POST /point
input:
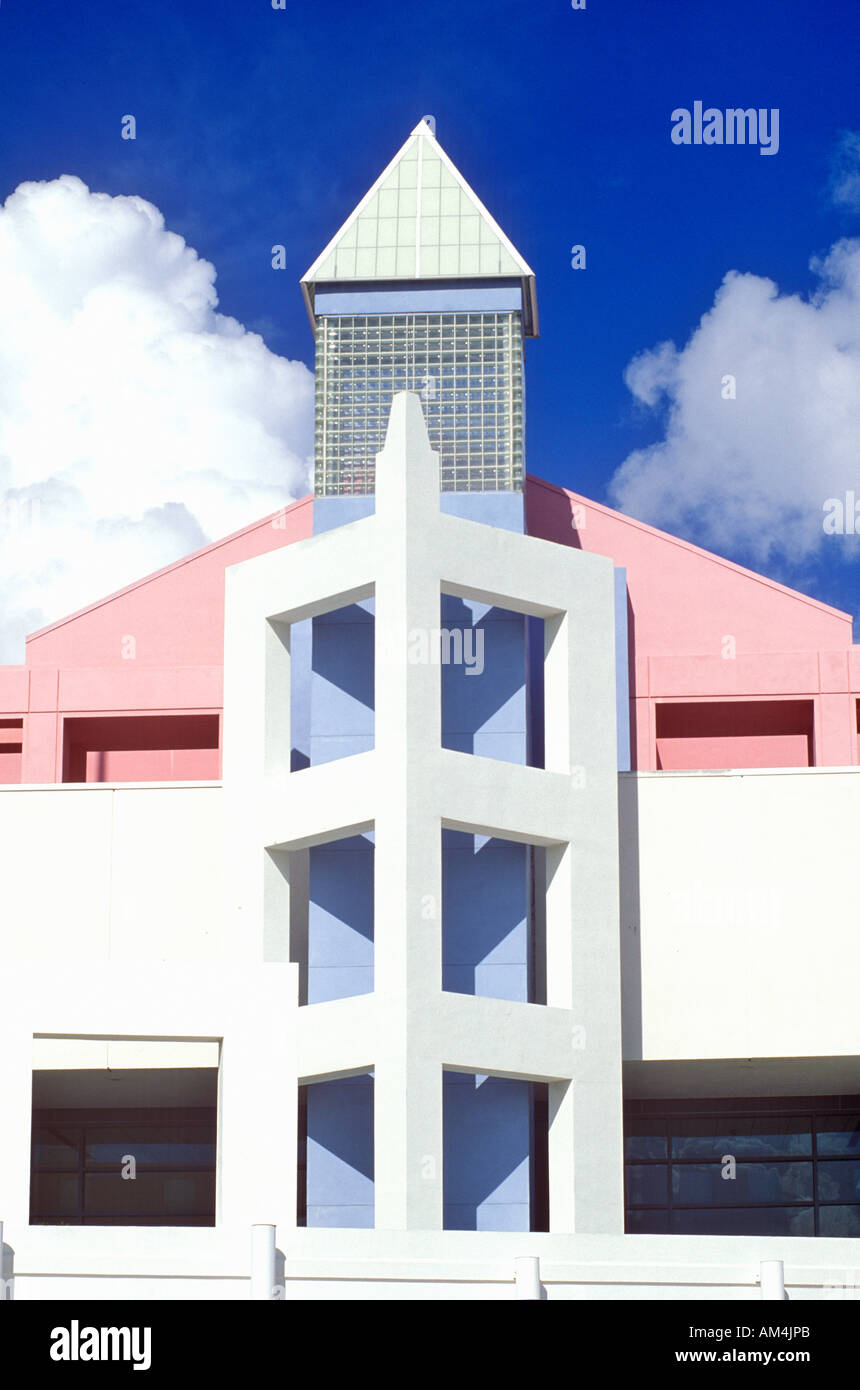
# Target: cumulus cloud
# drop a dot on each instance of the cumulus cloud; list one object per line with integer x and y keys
{"x": 749, "y": 476}
{"x": 136, "y": 422}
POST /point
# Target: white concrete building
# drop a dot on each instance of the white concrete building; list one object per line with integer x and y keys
{"x": 439, "y": 991}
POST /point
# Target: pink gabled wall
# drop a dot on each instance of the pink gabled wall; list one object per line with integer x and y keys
{"x": 155, "y": 648}
{"x": 704, "y": 629}
{"x": 175, "y": 615}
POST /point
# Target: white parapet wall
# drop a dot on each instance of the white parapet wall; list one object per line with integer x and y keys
{"x": 739, "y": 915}
{"x": 146, "y": 1263}
{"x": 110, "y": 872}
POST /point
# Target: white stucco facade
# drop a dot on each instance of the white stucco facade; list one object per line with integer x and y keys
{"x": 160, "y": 938}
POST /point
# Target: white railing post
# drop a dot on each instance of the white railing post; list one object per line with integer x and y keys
{"x": 772, "y": 1278}
{"x": 5, "y": 1284}
{"x": 527, "y": 1276}
{"x": 263, "y": 1262}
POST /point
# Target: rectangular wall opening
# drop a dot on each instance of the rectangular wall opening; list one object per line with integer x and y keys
{"x": 319, "y": 914}
{"x": 335, "y": 1153}
{"x": 491, "y": 662}
{"x": 11, "y": 744}
{"x": 332, "y": 676}
{"x": 482, "y": 655}
{"x": 125, "y": 1146}
{"x": 496, "y": 1175}
{"x": 142, "y": 748}
{"x": 786, "y": 1166}
{"x": 735, "y": 734}
{"x": 493, "y": 917}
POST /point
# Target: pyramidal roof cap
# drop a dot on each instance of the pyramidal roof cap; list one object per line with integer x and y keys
{"x": 421, "y": 221}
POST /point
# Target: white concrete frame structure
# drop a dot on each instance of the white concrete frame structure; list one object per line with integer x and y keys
{"x": 408, "y": 789}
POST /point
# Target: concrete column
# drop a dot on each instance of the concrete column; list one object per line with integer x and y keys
{"x": 562, "y": 1157}
{"x": 42, "y": 758}
{"x": 559, "y": 893}
{"x": 583, "y": 945}
{"x": 278, "y": 698}
{"x": 835, "y": 737}
{"x": 408, "y": 875}
{"x": 299, "y": 885}
{"x": 277, "y": 905}
{"x": 408, "y": 1159}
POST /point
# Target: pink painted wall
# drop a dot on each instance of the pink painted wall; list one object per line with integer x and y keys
{"x": 155, "y": 648}
{"x": 703, "y": 631}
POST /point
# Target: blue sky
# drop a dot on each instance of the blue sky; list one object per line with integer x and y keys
{"x": 258, "y": 127}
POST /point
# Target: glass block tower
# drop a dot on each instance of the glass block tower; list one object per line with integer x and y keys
{"x": 420, "y": 290}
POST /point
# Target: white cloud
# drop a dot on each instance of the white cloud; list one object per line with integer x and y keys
{"x": 136, "y": 422}
{"x": 750, "y": 476}
{"x": 845, "y": 184}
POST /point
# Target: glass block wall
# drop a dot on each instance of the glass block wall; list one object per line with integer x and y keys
{"x": 468, "y": 370}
